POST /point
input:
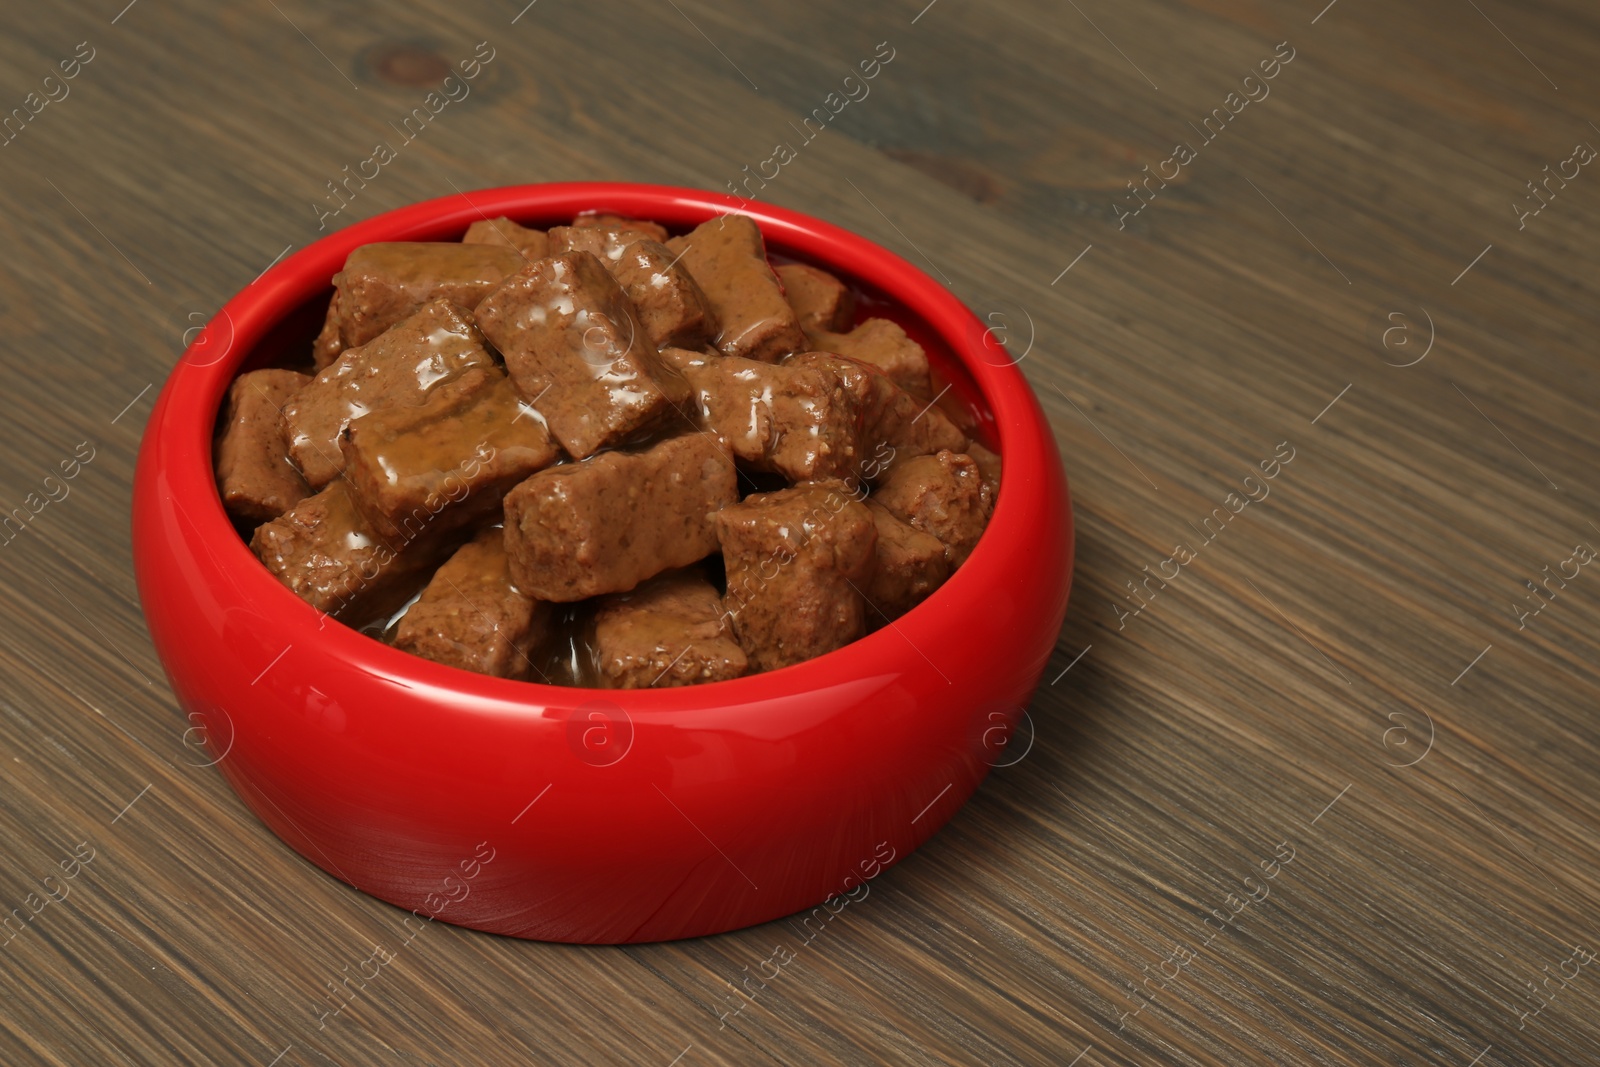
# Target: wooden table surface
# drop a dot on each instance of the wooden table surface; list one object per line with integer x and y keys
{"x": 1324, "y": 793}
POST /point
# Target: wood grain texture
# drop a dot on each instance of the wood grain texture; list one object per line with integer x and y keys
{"x": 1338, "y": 675}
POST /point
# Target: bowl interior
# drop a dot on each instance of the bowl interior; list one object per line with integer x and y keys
{"x": 287, "y": 341}
{"x": 278, "y": 321}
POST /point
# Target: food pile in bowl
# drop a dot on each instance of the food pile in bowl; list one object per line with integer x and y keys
{"x": 603, "y": 456}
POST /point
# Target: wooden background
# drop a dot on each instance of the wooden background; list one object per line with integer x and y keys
{"x": 1339, "y": 677}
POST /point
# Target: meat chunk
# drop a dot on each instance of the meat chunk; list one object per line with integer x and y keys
{"x": 727, "y": 257}
{"x": 942, "y": 494}
{"x": 254, "y": 474}
{"x": 669, "y": 302}
{"x": 669, "y": 631}
{"x": 577, "y": 351}
{"x": 671, "y": 305}
{"x": 653, "y": 230}
{"x": 471, "y": 616}
{"x": 799, "y": 422}
{"x": 382, "y": 284}
{"x": 911, "y": 564}
{"x": 884, "y": 345}
{"x": 604, "y": 243}
{"x": 608, "y": 523}
{"x": 334, "y": 559}
{"x": 533, "y": 244}
{"x": 797, "y": 560}
{"x": 896, "y": 425}
{"x": 397, "y": 369}
{"x": 988, "y": 466}
{"x": 821, "y": 301}
{"x": 450, "y": 459}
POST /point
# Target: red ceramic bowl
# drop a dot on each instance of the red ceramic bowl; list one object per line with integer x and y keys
{"x": 589, "y": 815}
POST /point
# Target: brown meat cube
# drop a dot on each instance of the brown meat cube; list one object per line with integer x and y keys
{"x": 727, "y": 257}
{"x": 798, "y": 561}
{"x": 669, "y": 631}
{"x": 911, "y": 564}
{"x": 471, "y": 616}
{"x": 799, "y": 422}
{"x": 327, "y": 552}
{"x": 988, "y": 465}
{"x": 671, "y": 305}
{"x": 576, "y": 349}
{"x": 254, "y": 474}
{"x": 821, "y": 301}
{"x": 533, "y": 244}
{"x": 884, "y": 345}
{"x": 450, "y": 459}
{"x": 652, "y": 230}
{"x": 896, "y": 425}
{"x": 669, "y": 302}
{"x": 383, "y": 283}
{"x": 944, "y": 495}
{"x": 606, "y": 524}
{"x": 604, "y": 243}
{"x": 397, "y": 369}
